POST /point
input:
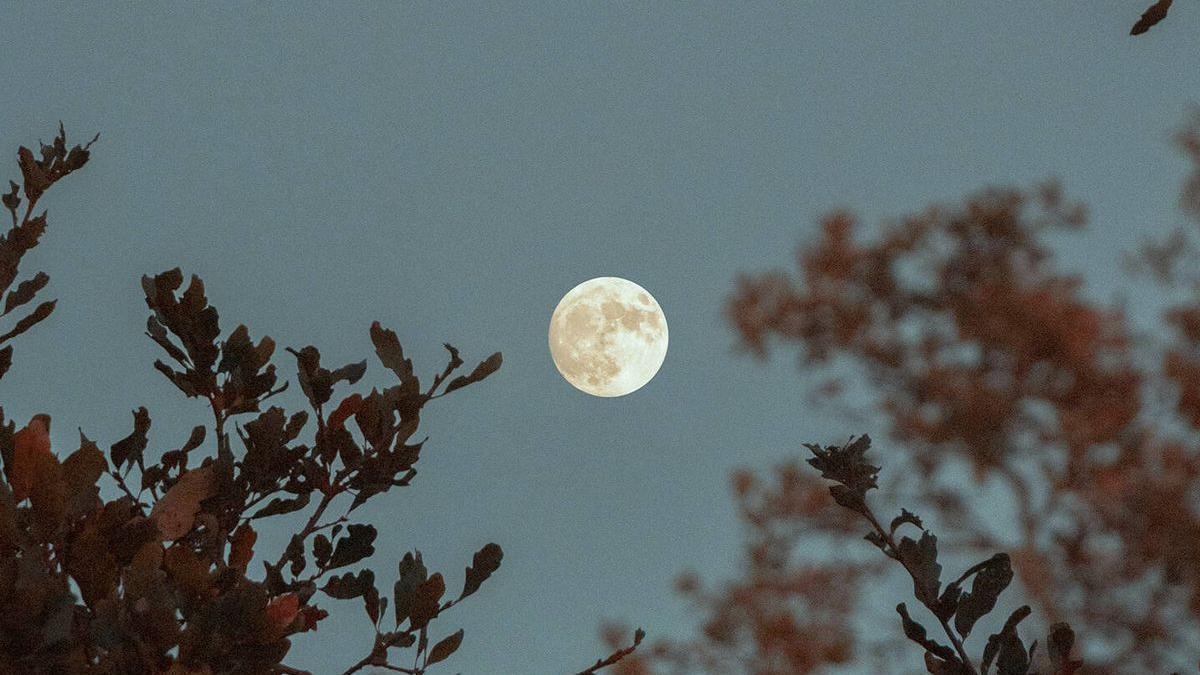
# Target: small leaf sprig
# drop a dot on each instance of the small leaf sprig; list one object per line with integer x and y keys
{"x": 955, "y": 609}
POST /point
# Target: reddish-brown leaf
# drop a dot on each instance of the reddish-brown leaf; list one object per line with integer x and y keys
{"x": 282, "y": 610}
{"x": 443, "y": 649}
{"x": 241, "y": 550}
{"x": 30, "y": 444}
{"x": 176, "y": 512}
{"x": 345, "y": 409}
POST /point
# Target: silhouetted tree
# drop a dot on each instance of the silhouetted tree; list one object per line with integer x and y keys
{"x": 152, "y": 573}
{"x": 989, "y": 369}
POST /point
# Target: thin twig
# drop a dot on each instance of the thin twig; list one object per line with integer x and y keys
{"x": 616, "y": 656}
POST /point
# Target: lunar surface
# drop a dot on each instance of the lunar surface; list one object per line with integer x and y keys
{"x": 608, "y": 336}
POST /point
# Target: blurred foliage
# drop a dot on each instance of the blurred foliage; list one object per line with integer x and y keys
{"x": 957, "y": 333}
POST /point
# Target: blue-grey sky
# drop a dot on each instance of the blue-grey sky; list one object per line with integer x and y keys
{"x": 452, "y": 169}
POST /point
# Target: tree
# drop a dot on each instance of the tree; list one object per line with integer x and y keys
{"x": 987, "y": 368}
{"x": 149, "y": 570}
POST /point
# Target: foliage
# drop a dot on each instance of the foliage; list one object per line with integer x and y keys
{"x": 1153, "y": 14}
{"x": 847, "y": 466}
{"x": 955, "y": 332}
{"x": 149, "y": 570}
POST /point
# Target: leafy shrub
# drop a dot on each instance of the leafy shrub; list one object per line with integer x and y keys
{"x": 110, "y": 563}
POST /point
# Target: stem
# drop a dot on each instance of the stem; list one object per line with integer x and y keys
{"x": 895, "y": 554}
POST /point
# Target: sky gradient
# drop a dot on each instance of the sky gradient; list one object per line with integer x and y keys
{"x": 451, "y": 170}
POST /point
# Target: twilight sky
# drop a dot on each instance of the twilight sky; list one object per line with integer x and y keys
{"x": 452, "y": 170}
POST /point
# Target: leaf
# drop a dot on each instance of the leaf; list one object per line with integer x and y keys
{"x": 391, "y": 355}
{"x": 176, "y": 512}
{"x": 294, "y": 554}
{"x": 281, "y": 505}
{"x": 30, "y": 320}
{"x": 192, "y": 321}
{"x": 349, "y": 585}
{"x": 178, "y": 458}
{"x": 81, "y": 470}
{"x": 916, "y": 632}
{"x": 350, "y": 373}
{"x": 486, "y": 561}
{"x": 10, "y": 198}
{"x": 412, "y": 575}
{"x": 1060, "y": 643}
{"x": 92, "y": 564}
{"x": 847, "y": 466}
{"x": 455, "y": 360}
{"x": 990, "y": 581}
{"x": 345, "y": 409}
{"x": 241, "y": 549}
{"x": 947, "y": 603}
{"x": 1154, "y": 14}
{"x": 1013, "y": 660}
{"x": 35, "y": 178}
{"x": 937, "y": 666}
{"x": 484, "y": 369}
{"x": 920, "y": 558}
{"x": 906, "y": 516}
{"x": 30, "y": 445}
{"x": 443, "y": 649}
{"x": 317, "y": 382}
{"x": 25, "y": 291}
{"x": 426, "y": 601}
{"x": 85, "y": 466}
{"x": 322, "y": 549}
{"x": 282, "y": 610}
{"x": 371, "y": 604}
{"x": 356, "y": 545}
{"x": 130, "y": 448}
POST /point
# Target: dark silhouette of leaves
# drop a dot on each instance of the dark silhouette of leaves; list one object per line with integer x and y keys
{"x": 616, "y": 656}
{"x": 241, "y": 548}
{"x": 1006, "y": 648}
{"x": 131, "y": 448}
{"x": 317, "y": 382}
{"x": 920, "y": 558}
{"x": 391, "y": 355}
{"x": 1155, "y": 13}
{"x": 412, "y": 575}
{"x": 11, "y": 201}
{"x": 846, "y": 466}
{"x": 444, "y": 648}
{"x": 281, "y": 505}
{"x": 30, "y": 320}
{"x": 485, "y": 563}
{"x": 981, "y": 353}
{"x": 176, "y": 512}
{"x": 349, "y": 585}
{"x": 25, "y": 291}
{"x": 992, "y": 577}
{"x": 426, "y": 601}
{"x": 356, "y": 545}
{"x": 906, "y": 516}
{"x": 487, "y": 367}
{"x": 1059, "y": 645}
{"x": 161, "y": 558}
{"x": 916, "y": 632}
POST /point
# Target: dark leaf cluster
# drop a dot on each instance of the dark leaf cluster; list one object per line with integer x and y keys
{"x": 955, "y": 608}
{"x": 114, "y": 562}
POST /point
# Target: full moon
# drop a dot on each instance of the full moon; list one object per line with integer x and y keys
{"x": 608, "y": 336}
